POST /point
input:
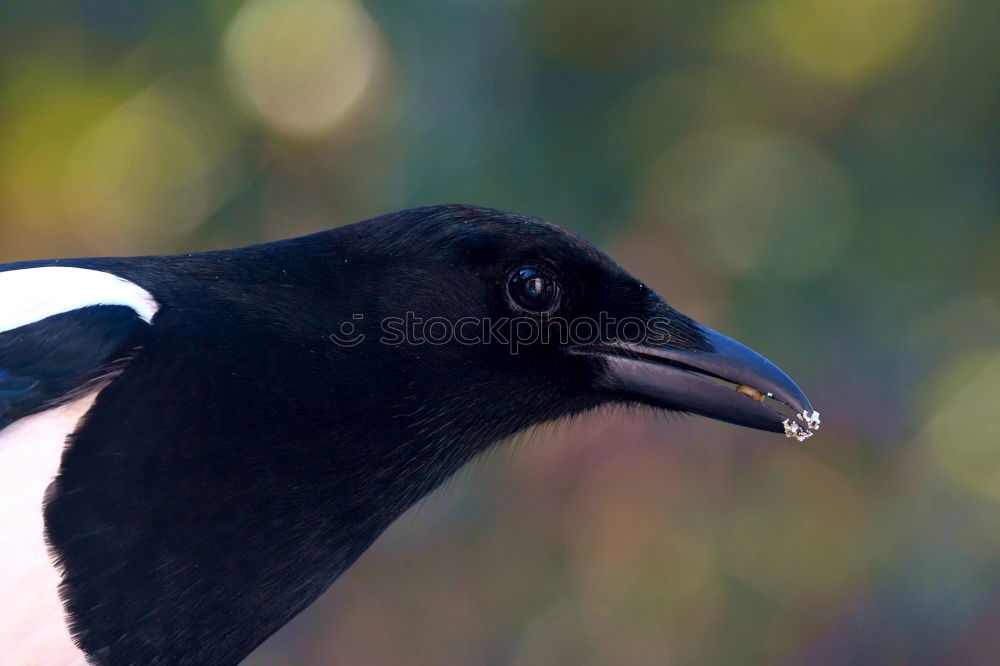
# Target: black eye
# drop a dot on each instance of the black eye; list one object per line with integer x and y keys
{"x": 533, "y": 290}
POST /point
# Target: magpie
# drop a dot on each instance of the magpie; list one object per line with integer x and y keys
{"x": 194, "y": 447}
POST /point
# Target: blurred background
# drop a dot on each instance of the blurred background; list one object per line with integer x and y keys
{"x": 817, "y": 179}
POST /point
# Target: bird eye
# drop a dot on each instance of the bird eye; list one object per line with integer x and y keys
{"x": 533, "y": 290}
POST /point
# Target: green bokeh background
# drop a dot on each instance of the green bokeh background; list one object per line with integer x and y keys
{"x": 817, "y": 179}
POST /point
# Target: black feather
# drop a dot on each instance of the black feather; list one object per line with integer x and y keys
{"x": 51, "y": 361}
{"x": 242, "y": 460}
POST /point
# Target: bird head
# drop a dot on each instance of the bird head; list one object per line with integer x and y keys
{"x": 509, "y": 321}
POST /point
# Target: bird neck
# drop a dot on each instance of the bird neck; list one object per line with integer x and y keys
{"x": 210, "y": 533}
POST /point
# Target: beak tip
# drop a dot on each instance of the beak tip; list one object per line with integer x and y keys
{"x": 750, "y": 366}
{"x": 686, "y": 380}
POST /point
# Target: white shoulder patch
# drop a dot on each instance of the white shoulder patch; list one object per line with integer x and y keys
{"x": 31, "y": 611}
{"x": 32, "y": 294}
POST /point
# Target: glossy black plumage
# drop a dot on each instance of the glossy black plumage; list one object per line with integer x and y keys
{"x": 242, "y": 460}
{"x": 47, "y": 363}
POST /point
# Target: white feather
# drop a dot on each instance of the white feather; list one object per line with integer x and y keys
{"x": 32, "y": 294}
{"x": 32, "y": 618}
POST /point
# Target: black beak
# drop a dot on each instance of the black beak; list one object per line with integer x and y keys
{"x": 729, "y": 382}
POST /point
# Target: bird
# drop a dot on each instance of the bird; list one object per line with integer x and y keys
{"x": 194, "y": 447}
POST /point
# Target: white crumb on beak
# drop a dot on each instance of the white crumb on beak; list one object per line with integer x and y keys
{"x": 812, "y": 420}
{"x": 793, "y": 429}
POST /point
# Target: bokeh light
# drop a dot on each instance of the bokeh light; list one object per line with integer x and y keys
{"x": 46, "y": 108}
{"x": 964, "y": 430}
{"x": 847, "y": 42}
{"x": 148, "y": 172}
{"x": 753, "y": 197}
{"x": 303, "y": 65}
